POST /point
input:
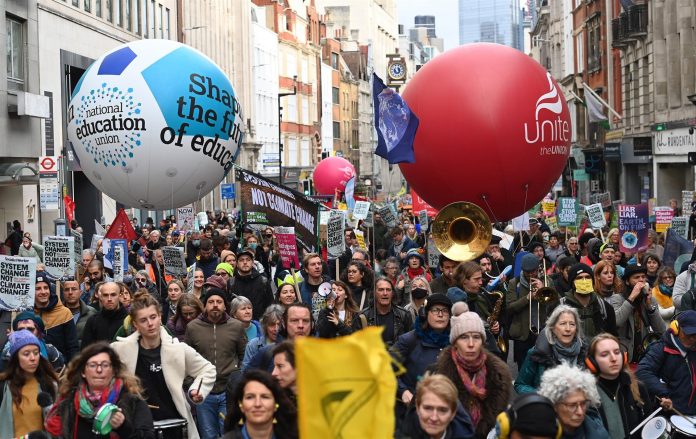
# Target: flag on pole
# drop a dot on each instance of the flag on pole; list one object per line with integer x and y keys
{"x": 121, "y": 228}
{"x": 346, "y": 386}
{"x": 595, "y": 110}
{"x": 396, "y": 124}
{"x": 350, "y": 193}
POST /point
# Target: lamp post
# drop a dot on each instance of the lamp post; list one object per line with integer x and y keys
{"x": 280, "y": 122}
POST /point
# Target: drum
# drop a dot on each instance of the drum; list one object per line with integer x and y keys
{"x": 683, "y": 426}
{"x": 101, "y": 424}
{"x": 656, "y": 428}
{"x": 171, "y": 429}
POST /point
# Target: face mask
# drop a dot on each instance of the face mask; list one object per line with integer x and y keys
{"x": 583, "y": 286}
{"x": 419, "y": 293}
{"x": 253, "y": 245}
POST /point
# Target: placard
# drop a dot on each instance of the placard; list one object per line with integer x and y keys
{"x": 95, "y": 242}
{"x": 185, "y": 218}
{"x": 287, "y": 246}
{"x": 680, "y": 226}
{"x": 190, "y": 275}
{"x": 59, "y": 258}
{"x": 360, "y": 236}
{"x": 633, "y": 227}
{"x": 595, "y": 213}
{"x": 433, "y": 254}
{"x": 663, "y": 218}
{"x": 387, "y": 216}
{"x": 77, "y": 236}
{"x": 548, "y": 207}
{"x": 567, "y": 212}
{"x": 362, "y": 208}
{"x": 17, "y": 283}
{"x": 688, "y": 202}
{"x": 174, "y": 261}
{"x": 552, "y": 222}
{"x": 202, "y": 218}
{"x": 335, "y": 238}
{"x": 117, "y": 264}
{"x": 604, "y": 199}
{"x": 109, "y": 249}
{"x": 423, "y": 220}
{"x": 521, "y": 223}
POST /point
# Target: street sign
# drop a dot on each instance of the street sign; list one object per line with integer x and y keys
{"x": 49, "y": 189}
{"x": 228, "y": 191}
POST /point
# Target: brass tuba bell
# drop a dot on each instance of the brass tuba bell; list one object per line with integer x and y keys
{"x": 462, "y": 231}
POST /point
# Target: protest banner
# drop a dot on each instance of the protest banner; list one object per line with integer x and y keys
{"x": 287, "y": 247}
{"x": 567, "y": 212}
{"x": 190, "y": 278}
{"x": 688, "y": 202}
{"x": 521, "y": 223}
{"x": 185, "y": 218}
{"x": 680, "y": 226}
{"x": 663, "y": 218}
{"x": 78, "y": 245}
{"x": 117, "y": 263}
{"x": 265, "y": 202}
{"x": 59, "y": 256}
{"x": 369, "y": 220}
{"x": 419, "y": 204}
{"x": 174, "y": 262}
{"x": 99, "y": 229}
{"x": 95, "y": 242}
{"x": 335, "y": 239}
{"x": 604, "y": 199}
{"x": 552, "y": 222}
{"x": 17, "y": 283}
{"x": 423, "y": 220}
{"x": 548, "y": 207}
{"x": 109, "y": 248}
{"x": 360, "y": 236}
{"x": 595, "y": 213}
{"x": 362, "y": 208}
{"x": 633, "y": 227}
{"x": 433, "y": 254}
{"x": 387, "y": 216}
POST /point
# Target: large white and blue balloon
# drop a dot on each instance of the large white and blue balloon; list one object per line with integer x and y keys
{"x": 155, "y": 124}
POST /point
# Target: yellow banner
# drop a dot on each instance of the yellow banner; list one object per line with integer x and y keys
{"x": 346, "y": 386}
{"x": 361, "y": 239}
{"x": 548, "y": 207}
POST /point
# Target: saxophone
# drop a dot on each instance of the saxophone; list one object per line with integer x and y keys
{"x": 500, "y": 340}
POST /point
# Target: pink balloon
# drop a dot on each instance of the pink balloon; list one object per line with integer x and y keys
{"x": 332, "y": 173}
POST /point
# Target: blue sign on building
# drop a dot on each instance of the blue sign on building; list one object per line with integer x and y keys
{"x": 228, "y": 191}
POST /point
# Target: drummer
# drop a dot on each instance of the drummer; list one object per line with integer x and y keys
{"x": 668, "y": 368}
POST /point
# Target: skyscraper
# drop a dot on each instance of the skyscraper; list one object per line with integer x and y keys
{"x": 491, "y": 21}
{"x": 428, "y": 22}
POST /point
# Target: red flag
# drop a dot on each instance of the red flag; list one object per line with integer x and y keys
{"x": 121, "y": 228}
{"x": 69, "y": 209}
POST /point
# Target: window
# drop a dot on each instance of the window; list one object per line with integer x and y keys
{"x": 109, "y": 11}
{"x": 98, "y": 8}
{"x": 292, "y": 151}
{"x": 151, "y": 20}
{"x": 136, "y": 18}
{"x": 88, "y": 5}
{"x": 304, "y": 153}
{"x": 127, "y": 7}
{"x": 594, "y": 56}
{"x": 336, "y": 95}
{"x": 15, "y": 53}
{"x": 334, "y": 60}
{"x": 76, "y": 3}
{"x": 305, "y": 110}
{"x": 337, "y": 130}
{"x": 161, "y": 21}
{"x": 167, "y": 30}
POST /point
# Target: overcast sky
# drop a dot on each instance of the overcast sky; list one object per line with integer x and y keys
{"x": 445, "y": 12}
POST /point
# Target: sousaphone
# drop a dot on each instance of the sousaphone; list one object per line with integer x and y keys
{"x": 462, "y": 231}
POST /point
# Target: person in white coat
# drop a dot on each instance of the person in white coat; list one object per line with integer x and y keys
{"x": 162, "y": 362}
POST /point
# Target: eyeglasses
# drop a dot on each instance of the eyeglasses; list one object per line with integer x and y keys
{"x": 223, "y": 273}
{"x": 140, "y": 279}
{"x": 574, "y": 406}
{"x": 439, "y": 311}
{"x": 103, "y": 365}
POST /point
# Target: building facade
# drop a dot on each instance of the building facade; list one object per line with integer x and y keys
{"x": 491, "y": 21}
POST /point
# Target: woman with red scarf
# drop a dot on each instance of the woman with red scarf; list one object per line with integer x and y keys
{"x": 483, "y": 380}
{"x": 415, "y": 266}
{"x": 100, "y": 399}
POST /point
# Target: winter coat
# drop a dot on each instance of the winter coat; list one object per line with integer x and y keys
{"x": 538, "y": 360}
{"x": 181, "y": 361}
{"x": 477, "y": 302}
{"x": 86, "y": 312}
{"x": 664, "y": 369}
{"x": 416, "y": 356}
{"x": 439, "y": 285}
{"x": 326, "y": 329}
{"x": 60, "y": 326}
{"x": 254, "y": 287}
{"x": 402, "y": 321}
{"x": 103, "y": 325}
{"x": 625, "y": 322}
{"x": 35, "y": 251}
{"x": 517, "y": 307}
{"x": 252, "y": 348}
{"x": 305, "y": 291}
{"x": 632, "y": 413}
{"x": 221, "y": 343}
{"x": 684, "y": 282}
{"x": 597, "y": 317}
{"x": 498, "y": 388}
{"x": 138, "y": 423}
{"x": 407, "y": 245}
{"x": 460, "y": 427}
{"x": 591, "y": 428}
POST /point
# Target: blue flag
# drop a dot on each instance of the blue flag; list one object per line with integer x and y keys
{"x": 626, "y": 4}
{"x": 675, "y": 246}
{"x": 396, "y": 124}
{"x": 350, "y": 191}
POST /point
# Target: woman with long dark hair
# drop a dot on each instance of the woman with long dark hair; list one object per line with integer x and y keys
{"x": 95, "y": 378}
{"x": 606, "y": 280}
{"x": 28, "y": 374}
{"x": 336, "y": 318}
{"x": 187, "y": 308}
{"x": 260, "y": 409}
{"x": 360, "y": 279}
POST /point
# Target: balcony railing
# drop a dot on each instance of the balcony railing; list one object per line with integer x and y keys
{"x": 630, "y": 26}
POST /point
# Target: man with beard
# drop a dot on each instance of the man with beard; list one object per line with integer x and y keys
{"x": 395, "y": 320}
{"x": 668, "y": 365}
{"x": 103, "y": 325}
{"x": 221, "y": 340}
{"x": 58, "y": 320}
{"x": 207, "y": 259}
{"x": 95, "y": 274}
{"x": 80, "y": 310}
{"x": 248, "y": 282}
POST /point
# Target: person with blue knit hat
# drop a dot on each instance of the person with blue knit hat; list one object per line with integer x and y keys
{"x": 19, "y": 398}
{"x": 57, "y": 318}
{"x": 33, "y": 323}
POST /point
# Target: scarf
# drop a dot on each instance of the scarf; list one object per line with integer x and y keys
{"x": 88, "y": 403}
{"x": 420, "y": 271}
{"x": 567, "y": 354}
{"x": 430, "y": 336}
{"x": 476, "y": 385}
{"x": 667, "y": 291}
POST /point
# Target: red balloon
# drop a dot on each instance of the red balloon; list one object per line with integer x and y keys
{"x": 332, "y": 173}
{"x": 494, "y": 130}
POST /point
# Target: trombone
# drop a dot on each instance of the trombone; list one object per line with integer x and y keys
{"x": 544, "y": 294}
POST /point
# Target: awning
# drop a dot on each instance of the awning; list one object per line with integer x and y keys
{"x": 18, "y": 174}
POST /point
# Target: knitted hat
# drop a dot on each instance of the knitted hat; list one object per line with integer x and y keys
{"x": 216, "y": 281}
{"x": 632, "y": 269}
{"x": 225, "y": 253}
{"x": 21, "y": 338}
{"x": 225, "y": 266}
{"x": 438, "y": 299}
{"x": 29, "y": 315}
{"x": 529, "y": 262}
{"x": 576, "y": 269}
{"x": 214, "y": 292}
{"x": 536, "y": 417}
{"x": 414, "y": 253}
{"x": 466, "y": 322}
